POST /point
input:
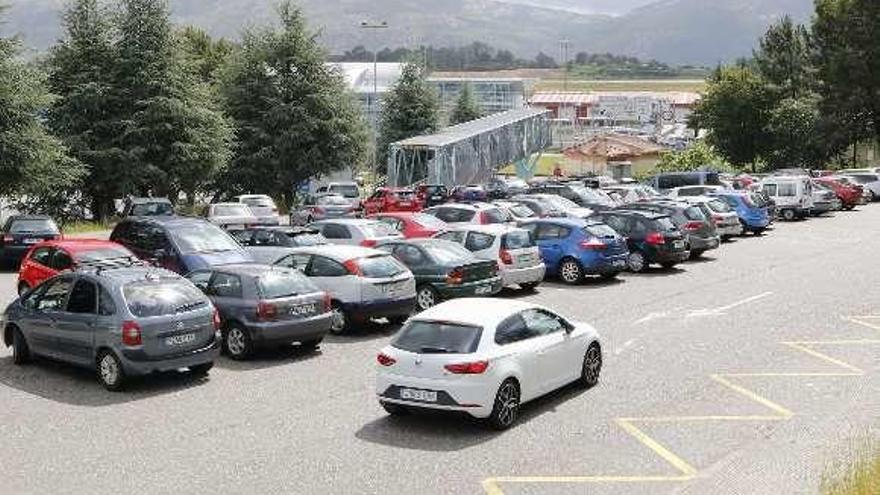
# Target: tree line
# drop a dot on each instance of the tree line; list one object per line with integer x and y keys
{"x": 475, "y": 56}
{"x": 808, "y": 96}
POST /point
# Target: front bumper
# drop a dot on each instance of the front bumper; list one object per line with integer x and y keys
{"x": 135, "y": 362}
{"x": 285, "y": 332}
{"x": 529, "y": 275}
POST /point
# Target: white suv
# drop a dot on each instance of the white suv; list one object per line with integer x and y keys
{"x": 793, "y": 195}
{"x": 517, "y": 255}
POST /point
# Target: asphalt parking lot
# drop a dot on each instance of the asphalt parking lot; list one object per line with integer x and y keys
{"x": 748, "y": 372}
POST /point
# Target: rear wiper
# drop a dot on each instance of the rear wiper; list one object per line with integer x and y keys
{"x": 434, "y": 350}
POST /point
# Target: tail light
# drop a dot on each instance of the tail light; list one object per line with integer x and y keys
{"x": 216, "y": 320}
{"x": 385, "y": 360}
{"x": 8, "y": 238}
{"x": 327, "y": 302}
{"x": 131, "y": 334}
{"x": 692, "y": 226}
{"x": 474, "y": 368}
{"x": 505, "y": 257}
{"x": 369, "y": 243}
{"x": 484, "y": 219}
{"x": 593, "y": 244}
{"x": 455, "y": 277}
{"x": 318, "y": 210}
{"x": 266, "y": 311}
{"x": 655, "y": 239}
{"x": 352, "y": 267}
{"x": 718, "y": 219}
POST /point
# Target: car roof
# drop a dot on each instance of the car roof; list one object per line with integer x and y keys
{"x": 288, "y": 229}
{"x": 169, "y": 220}
{"x": 148, "y": 200}
{"x": 338, "y": 251}
{"x": 481, "y": 312}
{"x": 651, "y": 215}
{"x": 356, "y": 222}
{"x": 568, "y": 222}
{"x": 254, "y": 196}
{"x": 249, "y": 269}
{"x": 227, "y": 204}
{"x": 466, "y": 206}
{"x": 128, "y": 274}
{"x": 395, "y": 214}
{"x": 495, "y": 228}
{"x": 79, "y": 245}
{"x": 30, "y": 217}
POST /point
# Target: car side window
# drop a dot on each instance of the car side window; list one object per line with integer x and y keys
{"x": 42, "y": 255}
{"x": 325, "y": 267}
{"x": 513, "y": 329}
{"x": 106, "y": 306}
{"x": 299, "y": 262}
{"x": 788, "y": 189}
{"x": 52, "y": 299}
{"x": 395, "y": 223}
{"x": 541, "y": 322}
{"x": 638, "y": 226}
{"x": 770, "y": 189}
{"x": 154, "y": 238}
{"x": 334, "y": 231}
{"x": 60, "y": 260}
{"x": 244, "y": 237}
{"x": 83, "y": 298}
{"x": 225, "y": 285}
{"x": 551, "y": 231}
{"x": 478, "y": 241}
{"x": 200, "y": 279}
{"x": 409, "y": 255}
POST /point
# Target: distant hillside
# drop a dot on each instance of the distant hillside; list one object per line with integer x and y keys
{"x": 673, "y": 31}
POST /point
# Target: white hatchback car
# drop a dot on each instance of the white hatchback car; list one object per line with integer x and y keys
{"x": 231, "y": 215}
{"x": 517, "y": 254}
{"x": 484, "y": 357}
{"x": 263, "y": 207}
{"x": 468, "y": 214}
{"x": 356, "y": 231}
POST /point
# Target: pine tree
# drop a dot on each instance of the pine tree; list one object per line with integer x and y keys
{"x": 784, "y": 59}
{"x": 294, "y": 116}
{"x": 466, "y": 108}
{"x": 410, "y": 109}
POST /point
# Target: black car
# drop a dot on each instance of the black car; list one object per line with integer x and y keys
{"x": 700, "y": 232}
{"x": 585, "y": 197}
{"x": 147, "y": 207}
{"x": 20, "y": 234}
{"x": 278, "y": 236}
{"x": 652, "y": 238}
{"x": 432, "y": 194}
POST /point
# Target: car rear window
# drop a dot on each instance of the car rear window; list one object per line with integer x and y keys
{"x": 518, "y": 239}
{"x": 718, "y": 206}
{"x": 162, "y": 297}
{"x": 694, "y": 213}
{"x": 493, "y": 215}
{"x": 307, "y": 239}
{"x": 232, "y": 211}
{"x": 404, "y": 195}
{"x": 664, "y": 223}
{"x": 429, "y": 221}
{"x": 437, "y": 337}
{"x": 152, "y": 209}
{"x": 447, "y": 252}
{"x": 33, "y": 225}
{"x": 378, "y": 229}
{"x": 349, "y": 191}
{"x": 523, "y": 211}
{"x": 284, "y": 283}
{"x": 600, "y": 230}
{"x": 260, "y": 202}
{"x": 380, "y": 267}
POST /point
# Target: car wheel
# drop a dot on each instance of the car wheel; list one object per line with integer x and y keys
{"x": 697, "y": 253}
{"x": 789, "y": 215}
{"x": 22, "y": 288}
{"x": 570, "y": 272}
{"x": 591, "y": 367}
{"x": 529, "y": 287}
{"x": 338, "y": 320}
{"x": 668, "y": 266}
{"x": 201, "y": 369}
{"x": 636, "y": 262}
{"x": 395, "y": 409}
{"x": 849, "y": 207}
{"x": 237, "y": 343}
{"x": 110, "y": 372}
{"x": 609, "y": 276}
{"x": 310, "y": 345}
{"x": 21, "y": 353}
{"x": 398, "y": 320}
{"x": 426, "y": 298}
{"x": 506, "y": 407}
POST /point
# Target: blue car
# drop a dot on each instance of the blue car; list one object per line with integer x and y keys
{"x": 753, "y": 218}
{"x": 179, "y": 244}
{"x": 574, "y": 248}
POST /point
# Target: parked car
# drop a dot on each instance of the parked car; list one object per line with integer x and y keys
{"x": 356, "y": 232}
{"x": 386, "y": 200}
{"x": 824, "y": 199}
{"x": 690, "y": 191}
{"x": 263, "y": 207}
{"x": 651, "y": 238}
{"x": 515, "y": 211}
{"x": 363, "y": 283}
{"x": 849, "y": 194}
{"x": 471, "y": 192}
{"x": 671, "y": 180}
{"x": 280, "y": 236}
{"x": 513, "y": 249}
{"x": 444, "y": 270}
{"x": 412, "y": 225}
{"x": 21, "y": 233}
{"x": 793, "y": 195}
{"x": 323, "y": 207}
{"x": 726, "y": 220}
{"x": 557, "y": 203}
{"x": 484, "y": 357}
{"x": 632, "y": 193}
{"x": 47, "y": 259}
{"x": 754, "y": 218}
{"x": 265, "y": 306}
{"x": 348, "y": 190}
{"x": 516, "y": 186}
{"x": 573, "y": 248}
{"x": 584, "y": 197}
{"x": 459, "y": 213}
{"x": 699, "y": 230}
{"x": 541, "y": 206}
{"x": 870, "y": 182}
{"x": 431, "y": 194}
{"x": 180, "y": 244}
{"x": 121, "y": 322}
{"x": 147, "y": 207}
{"x": 496, "y": 188}
{"x": 231, "y": 215}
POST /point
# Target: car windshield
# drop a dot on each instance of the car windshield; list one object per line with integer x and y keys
{"x": 593, "y": 196}
{"x": 202, "y": 238}
{"x": 305, "y": 239}
{"x": 162, "y": 297}
{"x": 378, "y": 229}
{"x": 259, "y": 202}
{"x": 522, "y": 211}
{"x": 429, "y": 221}
{"x": 447, "y": 253}
{"x": 231, "y": 211}
{"x": 33, "y": 225}
{"x": 380, "y": 267}
{"x": 694, "y": 213}
{"x": 347, "y": 190}
{"x": 493, "y": 215}
{"x": 104, "y": 253}
{"x": 718, "y": 206}
{"x": 562, "y": 203}
{"x": 517, "y": 239}
{"x": 333, "y": 201}
{"x": 438, "y": 337}
{"x": 151, "y": 209}
{"x": 864, "y": 178}
{"x": 284, "y": 283}
{"x": 600, "y": 230}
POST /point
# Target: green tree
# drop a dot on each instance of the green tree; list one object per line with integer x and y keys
{"x": 736, "y": 110}
{"x": 410, "y": 109}
{"x": 784, "y": 59}
{"x": 466, "y": 108}
{"x": 33, "y": 163}
{"x": 293, "y": 115}
{"x": 795, "y": 133}
{"x": 175, "y": 137}
{"x": 699, "y": 156}
{"x": 205, "y": 55}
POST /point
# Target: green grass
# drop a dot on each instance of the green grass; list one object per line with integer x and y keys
{"x": 85, "y": 227}
{"x": 860, "y": 477}
{"x": 661, "y": 85}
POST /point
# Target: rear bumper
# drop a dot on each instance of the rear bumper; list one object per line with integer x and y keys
{"x": 470, "y": 289}
{"x": 756, "y": 222}
{"x": 15, "y": 253}
{"x": 730, "y": 230}
{"x": 704, "y": 244}
{"x": 381, "y": 309}
{"x": 270, "y": 220}
{"x": 474, "y": 398}
{"x": 135, "y": 362}
{"x": 666, "y": 256}
{"x": 530, "y": 275}
{"x": 286, "y": 332}
{"x": 601, "y": 265}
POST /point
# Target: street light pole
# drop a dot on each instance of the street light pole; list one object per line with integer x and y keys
{"x": 374, "y": 113}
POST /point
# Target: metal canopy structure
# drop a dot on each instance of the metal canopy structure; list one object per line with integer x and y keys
{"x": 471, "y": 152}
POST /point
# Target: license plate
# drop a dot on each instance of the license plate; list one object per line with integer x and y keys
{"x": 678, "y": 244}
{"x": 237, "y": 226}
{"x": 180, "y": 339}
{"x": 486, "y": 289}
{"x": 419, "y": 395}
{"x": 31, "y": 241}
{"x": 526, "y": 258}
{"x": 405, "y": 204}
{"x": 303, "y": 310}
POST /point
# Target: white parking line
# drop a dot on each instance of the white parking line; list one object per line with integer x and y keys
{"x": 724, "y": 309}
{"x": 622, "y": 348}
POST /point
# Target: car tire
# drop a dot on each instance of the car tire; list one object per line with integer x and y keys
{"x": 237, "y": 343}
{"x": 609, "y": 276}
{"x": 669, "y": 265}
{"x": 426, "y": 298}
{"x": 22, "y": 288}
{"x": 789, "y": 215}
{"x": 394, "y": 409}
{"x": 571, "y": 272}
{"x": 636, "y": 262}
{"x": 697, "y": 253}
{"x": 591, "y": 367}
{"x": 339, "y": 321}
{"x": 310, "y": 345}
{"x": 109, "y": 371}
{"x": 506, "y": 406}
{"x": 21, "y": 353}
{"x": 201, "y": 369}
{"x": 530, "y": 287}
{"x": 398, "y": 320}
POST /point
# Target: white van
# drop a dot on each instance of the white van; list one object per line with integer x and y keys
{"x": 793, "y": 195}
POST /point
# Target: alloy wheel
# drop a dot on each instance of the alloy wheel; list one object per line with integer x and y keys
{"x": 109, "y": 369}
{"x": 426, "y": 298}
{"x": 592, "y": 365}
{"x": 235, "y": 341}
{"x": 337, "y": 320}
{"x": 507, "y": 403}
{"x": 570, "y": 272}
{"x": 636, "y": 262}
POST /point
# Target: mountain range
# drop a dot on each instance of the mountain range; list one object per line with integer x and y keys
{"x": 699, "y": 32}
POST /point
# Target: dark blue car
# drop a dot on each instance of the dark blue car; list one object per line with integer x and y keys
{"x": 179, "y": 244}
{"x": 573, "y": 248}
{"x": 754, "y": 218}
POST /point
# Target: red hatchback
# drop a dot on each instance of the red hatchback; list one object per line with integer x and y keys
{"x": 386, "y": 200}
{"x": 413, "y": 225}
{"x": 47, "y": 259}
{"x": 850, "y": 195}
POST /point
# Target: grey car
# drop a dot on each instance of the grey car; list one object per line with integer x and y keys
{"x": 121, "y": 322}
{"x": 323, "y": 207}
{"x": 265, "y": 306}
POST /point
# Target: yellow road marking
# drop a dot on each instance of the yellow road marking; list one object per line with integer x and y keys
{"x": 859, "y": 320}
{"x": 667, "y": 455}
{"x": 824, "y": 357}
{"x": 752, "y": 395}
{"x": 684, "y": 419}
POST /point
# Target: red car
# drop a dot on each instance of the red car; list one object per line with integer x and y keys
{"x": 849, "y": 194}
{"x": 47, "y": 259}
{"x": 386, "y": 200}
{"x": 412, "y": 225}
